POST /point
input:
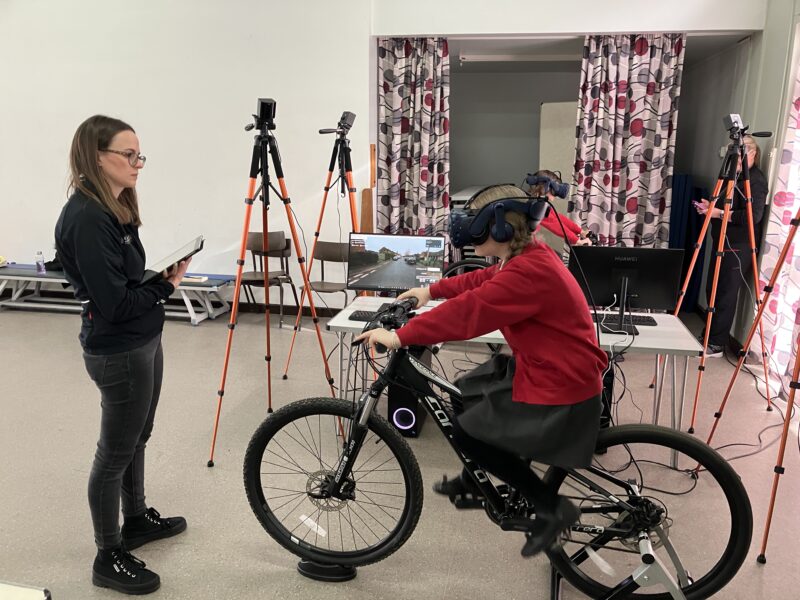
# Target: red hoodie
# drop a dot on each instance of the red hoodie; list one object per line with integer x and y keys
{"x": 540, "y": 309}
{"x": 551, "y": 223}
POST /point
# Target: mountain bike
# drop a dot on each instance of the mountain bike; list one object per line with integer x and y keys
{"x": 333, "y": 482}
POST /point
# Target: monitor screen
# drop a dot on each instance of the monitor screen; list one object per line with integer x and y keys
{"x": 381, "y": 262}
{"x": 652, "y": 275}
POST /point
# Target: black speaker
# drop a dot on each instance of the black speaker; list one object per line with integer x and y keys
{"x": 405, "y": 412}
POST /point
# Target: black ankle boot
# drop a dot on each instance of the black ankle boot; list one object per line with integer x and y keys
{"x": 549, "y": 523}
{"x": 119, "y": 570}
{"x": 137, "y": 531}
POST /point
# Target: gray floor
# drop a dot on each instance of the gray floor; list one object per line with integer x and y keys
{"x": 48, "y": 429}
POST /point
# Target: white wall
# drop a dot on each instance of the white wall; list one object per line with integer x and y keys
{"x": 186, "y": 75}
{"x": 494, "y": 131}
{"x": 469, "y": 17}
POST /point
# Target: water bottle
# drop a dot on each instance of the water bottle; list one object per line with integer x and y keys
{"x": 40, "y": 270}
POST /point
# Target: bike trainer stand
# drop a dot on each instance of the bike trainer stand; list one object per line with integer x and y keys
{"x": 651, "y": 572}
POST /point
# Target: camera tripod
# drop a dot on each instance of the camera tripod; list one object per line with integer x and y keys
{"x": 265, "y": 146}
{"x": 726, "y": 182}
{"x": 340, "y": 157}
{"x": 794, "y": 384}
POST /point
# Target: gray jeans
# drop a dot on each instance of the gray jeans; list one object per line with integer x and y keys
{"x": 129, "y": 383}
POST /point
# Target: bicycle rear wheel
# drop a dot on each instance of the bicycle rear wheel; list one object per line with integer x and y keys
{"x": 706, "y": 517}
{"x": 295, "y": 451}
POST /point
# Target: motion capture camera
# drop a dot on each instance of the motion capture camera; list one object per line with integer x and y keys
{"x": 265, "y": 113}
{"x": 733, "y": 122}
{"x": 343, "y": 126}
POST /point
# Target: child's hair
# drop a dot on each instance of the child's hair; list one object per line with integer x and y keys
{"x": 540, "y": 189}
{"x": 522, "y": 234}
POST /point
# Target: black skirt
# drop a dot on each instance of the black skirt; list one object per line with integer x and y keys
{"x": 560, "y": 435}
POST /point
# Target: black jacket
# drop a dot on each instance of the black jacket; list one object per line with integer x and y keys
{"x": 104, "y": 261}
{"x": 737, "y": 232}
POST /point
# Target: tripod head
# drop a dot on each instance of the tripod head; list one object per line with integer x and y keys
{"x": 343, "y": 126}
{"x": 737, "y": 129}
{"x": 264, "y": 119}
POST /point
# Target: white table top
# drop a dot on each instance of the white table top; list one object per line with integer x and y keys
{"x": 668, "y": 336}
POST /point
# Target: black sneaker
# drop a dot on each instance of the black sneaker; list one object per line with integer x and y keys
{"x": 461, "y": 493}
{"x": 548, "y": 525}
{"x": 714, "y": 351}
{"x": 120, "y": 570}
{"x": 149, "y": 527}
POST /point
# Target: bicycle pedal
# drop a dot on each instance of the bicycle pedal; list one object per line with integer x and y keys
{"x": 517, "y": 524}
{"x": 467, "y": 501}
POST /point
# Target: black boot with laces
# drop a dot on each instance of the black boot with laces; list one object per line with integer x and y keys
{"x": 120, "y": 570}
{"x": 137, "y": 531}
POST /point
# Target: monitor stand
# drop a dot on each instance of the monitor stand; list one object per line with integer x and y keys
{"x": 619, "y": 326}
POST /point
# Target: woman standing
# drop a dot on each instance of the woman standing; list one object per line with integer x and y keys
{"x": 97, "y": 238}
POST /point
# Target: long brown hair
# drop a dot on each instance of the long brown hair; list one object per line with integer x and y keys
{"x": 522, "y": 235}
{"x": 92, "y": 136}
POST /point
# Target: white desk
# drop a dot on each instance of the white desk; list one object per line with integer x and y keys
{"x": 26, "y": 287}
{"x": 669, "y": 338}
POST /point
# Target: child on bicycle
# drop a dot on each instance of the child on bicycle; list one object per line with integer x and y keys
{"x": 551, "y": 412}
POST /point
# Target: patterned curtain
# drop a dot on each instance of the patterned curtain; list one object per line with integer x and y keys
{"x": 413, "y": 166}
{"x": 627, "y": 116}
{"x": 781, "y": 320}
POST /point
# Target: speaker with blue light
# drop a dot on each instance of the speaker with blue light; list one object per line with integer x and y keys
{"x": 405, "y": 412}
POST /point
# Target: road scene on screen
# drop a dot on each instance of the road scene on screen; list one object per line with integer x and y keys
{"x": 394, "y": 262}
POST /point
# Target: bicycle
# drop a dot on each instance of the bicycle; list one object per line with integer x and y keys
{"x": 331, "y": 481}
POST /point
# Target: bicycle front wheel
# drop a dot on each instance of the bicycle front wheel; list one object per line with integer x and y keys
{"x": 696, "y": 514}
{"x": 295, "y": 452}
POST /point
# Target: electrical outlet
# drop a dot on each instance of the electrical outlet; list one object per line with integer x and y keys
{"x": 723, "y": 150}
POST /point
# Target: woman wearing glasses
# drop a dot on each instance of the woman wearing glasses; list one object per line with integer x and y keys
{"x": 97, "y": 238}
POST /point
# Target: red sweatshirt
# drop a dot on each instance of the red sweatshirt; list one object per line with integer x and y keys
{"x": 550, "y": 222}
{"x": 537, "y": 305}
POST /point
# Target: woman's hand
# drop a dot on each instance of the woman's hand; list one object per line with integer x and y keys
{"x": 703, "y": 206}
{"x": 423, "y": 296}
{"x": 176, "y": 272}
{"x": 379, "y": 336}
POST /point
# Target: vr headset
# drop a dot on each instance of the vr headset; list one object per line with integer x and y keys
{"x": 473, "y": 227}
{"x": 559, "y": 189}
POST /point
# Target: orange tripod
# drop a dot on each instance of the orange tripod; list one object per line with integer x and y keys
{"x": 265, "y": 146}
{"x": 340, "y": 157}
{"x": 726, "y": 182}
{"x": 793, "y": 385}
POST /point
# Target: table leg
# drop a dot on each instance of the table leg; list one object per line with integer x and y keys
{"x": 673, "y": 410}
{"x": 189, "y": 308}
{"x": 342, "y": 384}
{"x": 661, "y": 371}
{"x": 682, "y": 398}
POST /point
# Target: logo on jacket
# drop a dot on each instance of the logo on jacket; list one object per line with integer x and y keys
{"x": 127, "y": 239}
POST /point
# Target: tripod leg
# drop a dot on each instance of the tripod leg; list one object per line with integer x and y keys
{"x": 311, "y": 258}
{"x": 718, "y": 263}
{"x": 273, "y": 150}
{"x": 779, "y": 470}
{"x": 265, "y": 271}
{"x": 754, "y": 258}
{"x": 251, "y": 191}
{"x": 776, "y": 271}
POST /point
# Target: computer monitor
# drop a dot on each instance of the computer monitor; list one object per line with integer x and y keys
{"x": 390, "y": 263}
{"x": 646, "y": 278}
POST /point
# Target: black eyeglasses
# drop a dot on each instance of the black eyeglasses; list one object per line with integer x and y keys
{"x": 132, "y": 156}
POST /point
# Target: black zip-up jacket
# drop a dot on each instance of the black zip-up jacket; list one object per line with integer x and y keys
{"x": 104, "y": 261}
{"x": 737, "y": 232}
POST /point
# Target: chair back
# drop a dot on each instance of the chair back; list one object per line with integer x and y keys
{"x": 330, "y": 252}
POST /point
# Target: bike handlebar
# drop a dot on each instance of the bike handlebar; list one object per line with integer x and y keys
{"x": 393, "y": 317}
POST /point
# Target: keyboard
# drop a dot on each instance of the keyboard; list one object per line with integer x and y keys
{"x": 368, "y": 315}
{"x": 628, "y": 319}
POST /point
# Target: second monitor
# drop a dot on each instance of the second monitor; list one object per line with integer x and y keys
{"x": 390, "y": 263}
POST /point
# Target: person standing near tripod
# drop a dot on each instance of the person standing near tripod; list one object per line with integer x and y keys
{"x": 736, "y": 262}
{"x": 97, "y": 238}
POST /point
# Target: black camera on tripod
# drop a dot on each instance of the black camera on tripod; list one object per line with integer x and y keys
{"x": 265, "y": 113}
{"x": 343, "y": 126}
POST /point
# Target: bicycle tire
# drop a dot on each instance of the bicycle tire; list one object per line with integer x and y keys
{"x": 335, "y": 408}
{"x": 738, "y": 543}
{"x": 464, "y": 266}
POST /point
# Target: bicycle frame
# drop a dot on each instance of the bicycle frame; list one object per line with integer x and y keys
{"x": 404, "y": 366}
